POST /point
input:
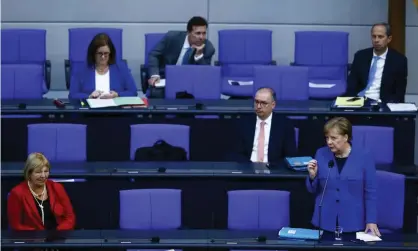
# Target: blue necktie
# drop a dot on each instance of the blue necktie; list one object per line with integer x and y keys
{"x": 186, "y": 56}
{"x": 372, "y": 73}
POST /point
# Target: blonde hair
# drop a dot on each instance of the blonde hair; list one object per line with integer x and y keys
{"x": 342, "y": 125}
{"x": 35, "y": 161}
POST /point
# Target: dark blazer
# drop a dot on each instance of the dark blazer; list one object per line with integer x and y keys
{"x": 394, "y": 78}
{"x": 281, "y": 144}
{"x": 351, "y": 195}
{"x": 168, "y": 50}
{"x": 23, "y": 214}
{"x": 83, "y": 83}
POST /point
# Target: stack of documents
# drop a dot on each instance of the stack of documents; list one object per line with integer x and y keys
{"x": 402, "y": 107}
{"x": 366, "y": 237}
{"x": 120, "y": 101}
{"x": 349, "y": 102}
{"x": 299, "y": 233}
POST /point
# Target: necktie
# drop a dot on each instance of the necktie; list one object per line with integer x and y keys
{"x": 260, "y": 145}
{"x": 186, "y": 56}
{"x": 372, "y": 73}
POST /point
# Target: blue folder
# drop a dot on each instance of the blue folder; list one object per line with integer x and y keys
{"x": 299, "y": 233}
{"x": 298, "y": 163}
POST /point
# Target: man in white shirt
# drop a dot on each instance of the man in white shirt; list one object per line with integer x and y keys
{"x": 180, "y": 48}
{"x": 266, "y": 137}
{"x": 379, "y": 73}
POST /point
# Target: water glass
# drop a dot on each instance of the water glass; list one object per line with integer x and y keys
{"x": 338, "y": 233}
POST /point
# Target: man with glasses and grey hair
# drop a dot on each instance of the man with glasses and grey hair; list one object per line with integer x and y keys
{"x": 266, "y": 137}
{"x": 379, "y": 73}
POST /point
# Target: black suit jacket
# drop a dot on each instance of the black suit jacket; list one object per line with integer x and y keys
{"x": 168, "y": 50}
{"x": 394, "y": 78}
{"x": 281, "y": 143}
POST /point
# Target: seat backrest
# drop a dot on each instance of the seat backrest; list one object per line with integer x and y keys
{"x": 378, "y": 140}
{"x": 151, "y": 40}
{"x": 326, "y": 48}
{"x": 22, "y": 81}
{"x": 23, "y": 46}
{"x": 144, "y": 135}
{"x": 390, "y": 200}
{"x": 58, "y": 142}
{"x": 328, "y": 73}
{"x": 245, "y": 46}
{"x": 150, "y": 209}
{"x": 80, "y": 39}
{"x": 258, "y": 209}
{"x": 203, "y": 81}
{"x": 289, "y": 82}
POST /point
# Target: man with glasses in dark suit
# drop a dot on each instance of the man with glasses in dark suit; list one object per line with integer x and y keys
{"x": 266, "y": 137}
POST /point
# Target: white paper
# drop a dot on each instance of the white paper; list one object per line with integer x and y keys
{"x": 366, "y": 237}
{"x": 402, "y": 107}
{"x": 160, "y": 84}
{"x": 241, "y": 83}
{"x": 324, "y": 86}
{"x": 100, "y": 103}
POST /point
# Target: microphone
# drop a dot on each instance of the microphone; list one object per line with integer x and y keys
{"x": 330, "y": 165}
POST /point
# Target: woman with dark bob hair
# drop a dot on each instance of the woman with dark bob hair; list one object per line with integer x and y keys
{"x": 350, "y": 196}
{"x": 103, "y": 77}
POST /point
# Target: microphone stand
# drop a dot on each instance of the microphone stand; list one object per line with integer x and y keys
{"x": 322, "y": 199}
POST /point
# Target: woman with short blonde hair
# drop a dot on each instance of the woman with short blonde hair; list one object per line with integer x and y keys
{"x": 349, "y": 171}
{"x": 38, "y": 203}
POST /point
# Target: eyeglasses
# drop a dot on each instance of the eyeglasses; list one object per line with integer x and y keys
{"x": 103, "y": 53}
{"x": 261, "y": 103}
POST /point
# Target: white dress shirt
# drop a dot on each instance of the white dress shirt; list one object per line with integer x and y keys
{"x": 267, "y": 129}
{"x": 373, "y": 91}
{"x": 103, "y": 82}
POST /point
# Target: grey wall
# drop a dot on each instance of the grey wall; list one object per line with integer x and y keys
{"x": 138, "y": 17}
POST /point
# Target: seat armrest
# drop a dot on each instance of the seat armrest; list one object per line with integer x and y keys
{"x": 47, "y": 73}
{"x": 273, "y": 62}
{"x": 292, "y": 64}
{"x": 67, "y": 71}
{"x": 217, "y": 63}
{"x": 144, "y": 78}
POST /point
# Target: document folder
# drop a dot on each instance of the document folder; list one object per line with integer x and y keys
{"x": 299, "y": 233}
{"x": 298, "y": 163}
{"x": 349, "y": 102}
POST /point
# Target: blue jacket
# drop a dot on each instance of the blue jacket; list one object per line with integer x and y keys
{"x": 350, "y": 195}
{"x": 83, "y": 83}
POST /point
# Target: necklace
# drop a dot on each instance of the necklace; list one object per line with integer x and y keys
{"x": 40, "y": 204}
{"x": 344, "y": 155}
{"x": 103, "y": 70}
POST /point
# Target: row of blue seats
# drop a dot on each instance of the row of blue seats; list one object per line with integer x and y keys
{"x": 325, "y": 53}
{"x": 67, "y": 142}
{"x": 25, "y": 81}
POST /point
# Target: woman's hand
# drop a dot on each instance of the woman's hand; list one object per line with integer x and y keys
{"x": 372, "y": 229}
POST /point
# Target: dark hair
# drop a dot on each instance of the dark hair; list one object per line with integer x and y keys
{"x": 101, "y": 39}
{"x": 387, "y": 27}
{"x": 196, "y": 21}
{"x": 272, "y": 92}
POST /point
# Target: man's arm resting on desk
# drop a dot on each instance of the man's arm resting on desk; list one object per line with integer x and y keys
{"x": 353, "y": 79}
{"x": 401, "y": 83}
{"x": 155, "y": 56}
